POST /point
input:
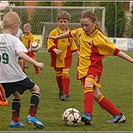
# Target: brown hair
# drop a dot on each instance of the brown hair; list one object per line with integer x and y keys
{"x": 28, "y": 25}
{"x": 63, "y": 15}
{"x": 10, "y": 19}
{"x": 92, "y": 17}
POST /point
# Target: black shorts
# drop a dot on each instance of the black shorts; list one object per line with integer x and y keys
{"x": 20, "y": 86}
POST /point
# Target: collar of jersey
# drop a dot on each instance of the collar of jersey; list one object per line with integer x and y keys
{"x": 94, "y": 33}
{"x": 60, "y": 32}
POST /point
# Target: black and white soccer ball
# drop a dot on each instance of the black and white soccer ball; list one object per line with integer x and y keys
{"x": 35, "y": 46}
{"x": 71, "y": 117}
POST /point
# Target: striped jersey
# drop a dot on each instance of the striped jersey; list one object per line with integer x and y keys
{"x": 66, "y": 45}
{"x": 93, "y": 48}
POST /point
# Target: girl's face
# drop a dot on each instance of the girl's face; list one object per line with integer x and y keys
{"x": 87, "y": 25}
{"x": 27, "y": 30}
{"x": 63, "y": 23}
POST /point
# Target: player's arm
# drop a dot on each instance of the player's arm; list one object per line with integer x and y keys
{"x": 64, "y": 35}
{"x": 30, "y": 60}
{"x": 125, "y": 56}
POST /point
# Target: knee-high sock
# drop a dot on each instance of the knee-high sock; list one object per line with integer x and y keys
{"x": 22, "y": 64}
{"x": 36, "y": 69}
{"x": 34, "y": 101}
{"x": 59, "y": 82}
{"x": 15, "y": 110}
{"x": 108, "y": 105}
{"x": 88, "y": 100}
{"x": 66, "y": 83}
{"x": 2, "y": 96}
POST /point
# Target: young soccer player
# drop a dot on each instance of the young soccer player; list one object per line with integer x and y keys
{"x": 12, "y": 78}
{"x": 61, "y": 54}
{"x": 3, "y": 101}
{"x": 94, "y": 45}
{"x": 27, "y": 39}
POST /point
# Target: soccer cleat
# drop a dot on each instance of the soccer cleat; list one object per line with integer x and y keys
{"x": 16, "y": 125}
{"x": 64, "y": 97}
{"x": 60, "y": 94}
{"x": 86, "y": 118}
{"x": 3, "y": 103}
{"x": 35, "y": 121}
{"x": 117, "y": 119}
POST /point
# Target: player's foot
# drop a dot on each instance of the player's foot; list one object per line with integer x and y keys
{"x": 117, "y": 119}
{"x": 16, "y": 125}
{"x": 64, "y": 97}
{"x": 86, "y": 118}
{"x": 38, "y": 72}
{"x": 3, "y": 103}
{"x": 35, "y": 121}
{"x": 60, "y": 94}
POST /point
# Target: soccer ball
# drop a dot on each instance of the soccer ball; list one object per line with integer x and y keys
{"x": 35, "y": 46}
{"x": 71, "y": 117}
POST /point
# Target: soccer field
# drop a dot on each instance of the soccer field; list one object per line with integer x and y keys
{"x": 117, "y": 86}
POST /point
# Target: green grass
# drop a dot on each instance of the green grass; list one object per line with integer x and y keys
{"x": 117, "y": 85}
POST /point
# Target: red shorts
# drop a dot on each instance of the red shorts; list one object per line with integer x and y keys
{"x": 31, "y": 54}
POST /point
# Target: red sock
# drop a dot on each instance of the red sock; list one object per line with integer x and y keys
{"x": 34, "y": 101}
{"x": 2, "y": 97}
{"x": 59, "y": 82}
{"x": 88, "y": 100}
{"x": 66, "y": 83}
{"x": 36, "y": 69}
{"x": 108, "y": 106}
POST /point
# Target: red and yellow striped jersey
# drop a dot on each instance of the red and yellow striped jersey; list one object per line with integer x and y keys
{"x": 66, "y": 45}
{"x": 92, "y": 49}
{"x": 27, "y": 40}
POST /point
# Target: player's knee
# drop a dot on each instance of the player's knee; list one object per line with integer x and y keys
{"x": 58, "y": 73}
{"x": 35, "y": 89}
{"x": 65, "y": 74}
{"x": 87, "y": 89}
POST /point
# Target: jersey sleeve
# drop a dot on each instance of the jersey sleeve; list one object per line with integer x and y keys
{"x": 32, "y": 39}
{"x": 74, "y": 47}
{"x": 19, "y": 46}
{"x": 50, "y": 43}
{"x": 105, "y": 46}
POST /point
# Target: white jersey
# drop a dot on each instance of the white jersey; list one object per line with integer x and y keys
{"x": 19, "y": 34}
{"x": 10, "y": 70}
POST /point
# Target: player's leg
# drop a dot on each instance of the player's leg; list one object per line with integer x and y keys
{"x": 58, "y": 73}
{"x": 22, "y": 64}
{"x": 107, "y": 105}
{"x": 34, "y": 101}
{"x": 87, "y": 87}
{"x": 65, "y": 83}
{"x": 16, "y": 111}
{"x": 37, "y": 70}
{"x": 3, "y": 101}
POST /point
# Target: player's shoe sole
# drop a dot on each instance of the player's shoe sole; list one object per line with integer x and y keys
{"x": 35, "y": 121}
{"x": 117, "y": 119}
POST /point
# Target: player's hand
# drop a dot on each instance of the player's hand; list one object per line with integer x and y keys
{"x": 57, "y": 51}
{"x": 29, "y": 50}
{"x": 40, "y": 65}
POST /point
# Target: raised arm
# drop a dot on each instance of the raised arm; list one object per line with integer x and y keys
{"x": 64, "y": 35}
{"x": 30, "y": 60}
{"x": 125, "y": 56}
